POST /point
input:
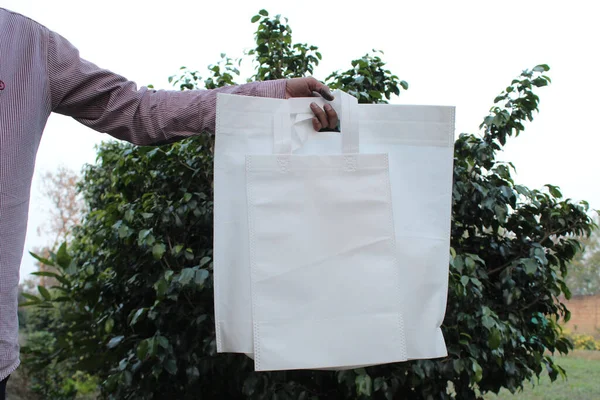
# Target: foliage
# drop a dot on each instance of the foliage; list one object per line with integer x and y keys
{"x": 55, "y": 380}
{"x": 51, "y": 378}
{"x": 135, "y": 288}
{"x": 275, "y": 55}
{"x": 583, "y": 341}
{"x": 367, "y": 80}
{"x": 584, "y": 272}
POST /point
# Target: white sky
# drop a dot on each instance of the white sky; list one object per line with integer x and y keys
{"x": 459, "y": 52}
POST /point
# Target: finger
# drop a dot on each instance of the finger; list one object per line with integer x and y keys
{"x": 320, "y": 115}
{"x": 332, "y": 116}
{"x": 316, "y": 124}
{"x": 325, "y": 92}
{"x": 321, "y": 89}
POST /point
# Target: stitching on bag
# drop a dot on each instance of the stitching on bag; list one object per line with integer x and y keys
{"x": 284, "y": 164}
{"x": 350, "y": 163}
{"x": 218, "y": 327}
{"x": 449, "y": 231}
{"x": 402, "y": 337}
{"x": 395, "y": 257}
{"x": 218, "y": 324}
{"x": 452, "y": 128}
{"x": 252, "y": 254}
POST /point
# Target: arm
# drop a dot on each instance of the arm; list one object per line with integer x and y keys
{"x": 111, "y": 104}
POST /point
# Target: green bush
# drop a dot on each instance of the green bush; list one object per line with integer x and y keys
{"x": 136, "y": 292}
{"x": 56, "y": 379}
{"x": 582, "y": 341}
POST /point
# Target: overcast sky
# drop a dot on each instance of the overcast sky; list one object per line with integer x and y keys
{"x": 460, "y": 53}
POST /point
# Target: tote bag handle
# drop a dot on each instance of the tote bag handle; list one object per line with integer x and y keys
{"x": 344, "y": 104}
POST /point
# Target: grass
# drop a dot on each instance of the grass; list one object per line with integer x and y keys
{"x": 582, "y": 383}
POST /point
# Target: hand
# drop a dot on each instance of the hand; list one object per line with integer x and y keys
{"x": 326, "y": 118}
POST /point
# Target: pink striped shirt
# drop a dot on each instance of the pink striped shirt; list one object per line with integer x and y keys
{"x": 40, "y": 73}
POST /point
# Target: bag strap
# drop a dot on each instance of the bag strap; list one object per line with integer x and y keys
{"x": 296, "y": 109}
{"x": 282, "y": 129}
{"x": 349, "y": 121}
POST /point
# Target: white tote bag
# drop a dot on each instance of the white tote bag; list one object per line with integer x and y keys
{"x": 325, "y": 284}
{"x": 272, "y": 289}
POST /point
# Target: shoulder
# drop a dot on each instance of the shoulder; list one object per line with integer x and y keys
{"x": 20, "y": 20}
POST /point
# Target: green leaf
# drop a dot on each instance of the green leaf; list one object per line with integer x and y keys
{"x": 364, "y": 385}
{"x": 264, "y": 13}
{"x": 161, "y": 287}
{"x": 186, "y": 275}
{"x": 129, "y": 214}
{"x": 139, "y": 314}
{"x": 254, "y": 19}
{"x": 143, "y": 235}
{"x": 554, "y": 191}
{"x": 31, "y": 303}
{"x": 204, "y": 261}
{"x": 124, "y": 231}
{"x": 31, "y": 297}
{"x": 200, "y": 276}
{"x": 114, "y": 342}
{"x": 464, "y": 280}
{"x": 163, "y": 342}
{"x": 458, "y": 366}
{"x": 530, "y": 266}
{"x": 54, "y": 275}
{"x": 171, "y": 366}
{"x": 477, "y": 370}
{"x": 541, "y": 68}
{"x": 375, "y": 94}
{"x": 42, "y": 260}
{"x": 62, "y": 257}
{"x": 44, "y": 292}
{"x": 469, "y": 263}
{"x": 152, "y": 347}
{"x": 33, "y": 300}
{"x": 142, "y": 349}
{"x": 494, "y": 339}
{"x": 109, "y": 325}
{"x": 404, "y": 85}
{"x": 488, "y": 321}
{"x": 158, "y": 250}
{"x": 177, "y": 249}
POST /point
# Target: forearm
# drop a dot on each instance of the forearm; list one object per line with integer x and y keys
{"x": 146, "y": 117}
{"x": 111, "y": 104}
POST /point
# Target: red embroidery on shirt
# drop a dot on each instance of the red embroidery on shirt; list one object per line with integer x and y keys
{"x": 2, "y": 85}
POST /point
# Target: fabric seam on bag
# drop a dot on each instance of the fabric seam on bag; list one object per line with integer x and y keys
{"x": 215, "y": 279}
{"x": 451, "y": 132}
{"x": 392, "y": 228}
{"x": 252, "y": 254}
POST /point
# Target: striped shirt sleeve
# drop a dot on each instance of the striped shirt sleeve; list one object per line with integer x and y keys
{"x": 109, "y": 103}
